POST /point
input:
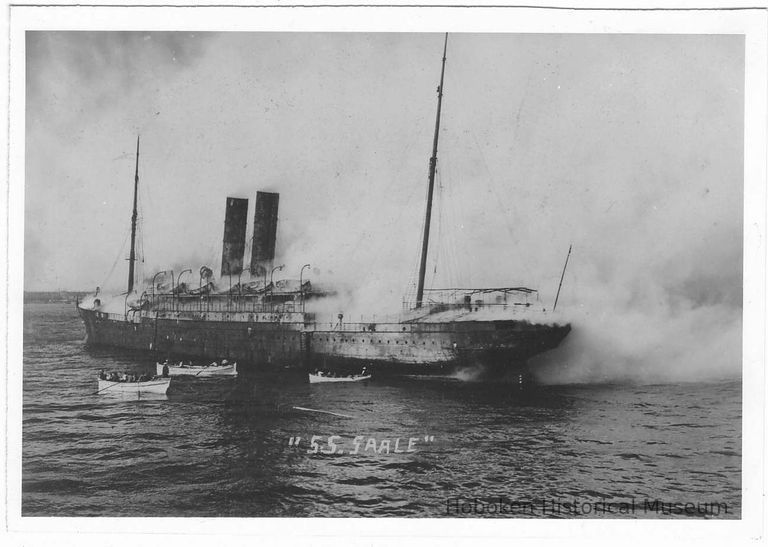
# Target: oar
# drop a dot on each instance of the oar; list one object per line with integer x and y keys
{"x": 105, "y": 388}
{"x": 322, "y": 411}
{"x": 206, "y": 366}
{"x": 113, "y": 385}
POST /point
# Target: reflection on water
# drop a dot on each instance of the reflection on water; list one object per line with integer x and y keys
{"x": 132, "y": 395}
{"x": 240, "y": 447}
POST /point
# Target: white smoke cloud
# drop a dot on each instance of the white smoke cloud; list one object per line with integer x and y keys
{"x": 629, "y": 147}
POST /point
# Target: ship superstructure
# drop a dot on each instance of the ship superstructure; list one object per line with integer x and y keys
{"x": 246, "y": 316}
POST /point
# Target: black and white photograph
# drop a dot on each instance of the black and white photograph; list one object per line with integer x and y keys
{"x": 508, "y": 264}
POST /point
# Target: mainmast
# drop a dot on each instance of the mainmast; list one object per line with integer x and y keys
{"x": 132, "y": 258}
{"x": 432, "y": 167}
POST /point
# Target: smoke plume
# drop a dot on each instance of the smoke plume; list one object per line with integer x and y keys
{"x": 629, "y": 147}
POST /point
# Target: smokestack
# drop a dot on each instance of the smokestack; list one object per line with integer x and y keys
{"x": 264, "y": 232}
{"x": 235, "y": 221}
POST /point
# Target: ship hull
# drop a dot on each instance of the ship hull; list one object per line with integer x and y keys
{"x": 495, "y": 347}
{"x": 152, "y": 386}
{"x": 198, "y": 372}
{"x": 253, "y": 344}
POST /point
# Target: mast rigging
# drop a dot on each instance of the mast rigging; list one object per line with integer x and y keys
{"x": 132, "y": 257}
{"x": 562, "y": 276}
{"x": 430, "y": 191}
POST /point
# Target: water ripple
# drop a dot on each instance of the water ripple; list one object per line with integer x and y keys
{"x": 221, "y": 447}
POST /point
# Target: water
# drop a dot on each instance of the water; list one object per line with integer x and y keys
{"x": 222, "y": 447}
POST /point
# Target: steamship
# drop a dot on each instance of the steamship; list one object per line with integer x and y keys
{"x": 270, "y": 325}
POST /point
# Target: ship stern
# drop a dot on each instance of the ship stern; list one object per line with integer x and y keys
{"x": 509, "y": 352}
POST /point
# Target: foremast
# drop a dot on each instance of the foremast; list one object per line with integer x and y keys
{"x": 430, "y": 191}
{"x": 134, "y": 215}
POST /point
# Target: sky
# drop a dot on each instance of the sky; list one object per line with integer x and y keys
{"x": 628, "y": 147}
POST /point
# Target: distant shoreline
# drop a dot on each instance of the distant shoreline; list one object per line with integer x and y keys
{"x": 53, "y": 297}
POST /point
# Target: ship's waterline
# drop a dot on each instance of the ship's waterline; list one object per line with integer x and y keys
{"x": 245, "y": 315}
{"x": 241, "y": 446}
{"x": 292, "y": 340}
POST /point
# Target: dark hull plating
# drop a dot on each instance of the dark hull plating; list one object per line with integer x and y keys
{"x": 398, "y": 348}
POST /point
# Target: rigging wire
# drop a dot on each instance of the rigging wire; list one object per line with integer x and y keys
{"x": 456, "y": 237}
{"x": 117, "y": 259}
{"x": 445, "y": 241}
{"x": 145, "y": 206}
{"x": 372, "y": 266}
{"x": 451, "y": 221}
{"x": 438, "y": 236}
{"x": 413, "y": 278}
{"x": 140, "y": 240}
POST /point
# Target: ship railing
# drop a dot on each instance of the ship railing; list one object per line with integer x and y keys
{"x": 222, "y": 303}
{"x": 474, "y": 299}
{"x": 131, "y": 316}
{"x": 474, "y": 305}
{"x": 371, "y": 327}
{"x": 111, "y": 316}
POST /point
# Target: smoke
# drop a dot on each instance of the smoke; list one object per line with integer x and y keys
{"x": 629, "y": 147}
{"x": 698, "y": 344}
